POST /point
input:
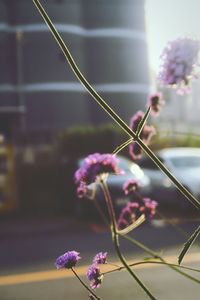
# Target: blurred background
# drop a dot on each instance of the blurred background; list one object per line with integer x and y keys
{"x": 48, "y": 121}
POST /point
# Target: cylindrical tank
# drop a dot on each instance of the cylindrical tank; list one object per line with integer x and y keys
{"x": 107, "y": 40}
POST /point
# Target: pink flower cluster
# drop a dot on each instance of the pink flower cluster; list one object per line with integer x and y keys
{"x": 133, "y": 210}
{"x": 146, "y": 135}
{"x": 155, "y": 101}
{"x": 130, "y": 186}
{"x": 69, "y": 259}
{"x": 93, "y": 273}
{"x": 92, "y": 166}
{"x": 179, "y": 59}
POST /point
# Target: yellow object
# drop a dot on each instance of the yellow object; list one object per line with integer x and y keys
{"x": 8, "y": 194}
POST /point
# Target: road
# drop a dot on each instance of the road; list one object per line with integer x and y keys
{"x": 28, "y": 249}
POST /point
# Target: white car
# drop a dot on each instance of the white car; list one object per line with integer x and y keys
{"x": 184, "y": 164}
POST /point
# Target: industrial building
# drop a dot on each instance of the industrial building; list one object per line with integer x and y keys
{"x": 39, "y": 92}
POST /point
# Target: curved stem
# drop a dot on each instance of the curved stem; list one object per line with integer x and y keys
{"x": 83, "y": 283}
{"x": 156, "y": 255}
{"x": 116, "y": 239}
{"x": 122, "y": 146}
{"x": 152, "y": 262}
{"x": 108, "y": 109}
{"x": 134, "y": 225}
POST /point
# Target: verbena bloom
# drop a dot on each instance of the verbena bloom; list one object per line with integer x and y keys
{"x": 133, "y": 210}
{"x": 179, "y": 62}
{"x": 128, "y": 215}
{"x": 155, "y": 101}
{"x": 148, "y": 131}
{"x": 67, "y": 260}
{"x": 135, "y": 151}
{"x": 94, "y": 276}
{"x": 130, "y": 186}
{"x": 149, "y": 207}
{"x": 122, "y": 223}
{"x": 100, "y": 258}
{"x": 94, "y": 165}
{"x": 87, "y": 191}
{"x": 82, "y": 190}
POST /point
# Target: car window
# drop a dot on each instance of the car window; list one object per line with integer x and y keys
{"x": 186, "y": 161}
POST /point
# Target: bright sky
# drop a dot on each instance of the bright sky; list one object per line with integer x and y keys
{"x": 168, "y": 19}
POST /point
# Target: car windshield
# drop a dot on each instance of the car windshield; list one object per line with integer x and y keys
{"x": 186, "y": 161}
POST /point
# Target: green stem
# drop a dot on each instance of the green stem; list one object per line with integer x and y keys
{"x": 108, "y": 109}
{"x": 122, "y": 146}
{"x": 152, "y": 262}
{"x": 83, "y": 283}
{"x": 155, "y": 255}
{"x": 116, "y": 240}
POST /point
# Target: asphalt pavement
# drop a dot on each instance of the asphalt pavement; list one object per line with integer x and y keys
{"x": 30, "y": 245}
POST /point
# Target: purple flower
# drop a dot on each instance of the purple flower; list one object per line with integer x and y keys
{"x": 82, "y": 190}
{"x": 146, "y": 135}
{"x": 100, "y": 258}
{"x": 87, "y": 191}
{"x": 67, "y": 260}
{"x": 94, "y": 276}
{"x": 135, "y": 120}
{"x": 149, "y": 207}
{"x": 122, "y": 223}
{"x": 179, "y": 60}
{"x": 133, "y": 210}
{"x": 135, "y": 151}
{"x": 130, "y": 186}
{"x": 94, "y": 165}
{"x": 128, "y": 214}
{"x": 155, "y": 101}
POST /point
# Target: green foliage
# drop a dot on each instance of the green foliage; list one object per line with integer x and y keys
{"x": 175, "y": 139}
{"x": 74, "y": 142}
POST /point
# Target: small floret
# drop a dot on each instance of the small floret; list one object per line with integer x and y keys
{"x": 94, "y": 276}
{"x": 68, "y": 260}
{"x": 100, "y": 258}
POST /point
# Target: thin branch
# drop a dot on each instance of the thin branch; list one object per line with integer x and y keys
{"x": 152, "y": 262}
{"x": 83, "y": 283}
{"x": 156, "y": 255}
{"x": 116, "y": 240}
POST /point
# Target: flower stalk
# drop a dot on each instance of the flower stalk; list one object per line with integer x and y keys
{"x": 152, "y": 262}
{"x": 83, "y": 283}
{"x": 157, "y": 256}
{"x": 115, "y": 238}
